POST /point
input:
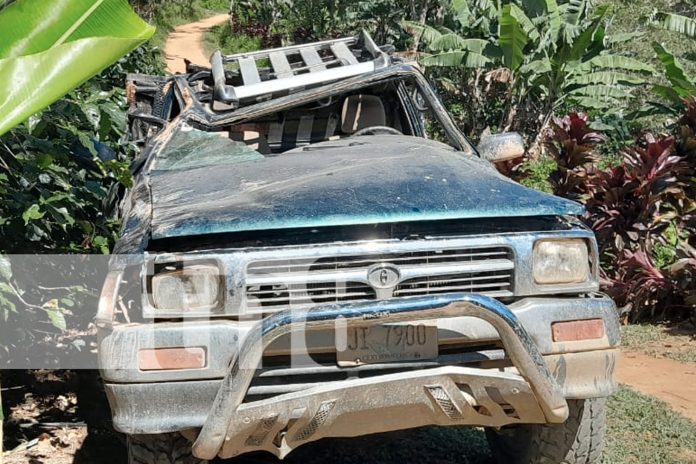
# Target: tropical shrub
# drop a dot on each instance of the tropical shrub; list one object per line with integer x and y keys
{"x": 540, "y": 57}
{"x": 642, "y": 210}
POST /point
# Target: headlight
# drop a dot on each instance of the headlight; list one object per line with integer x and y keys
{"x": 561, "y": 261}
{"x": 195, "y": 287}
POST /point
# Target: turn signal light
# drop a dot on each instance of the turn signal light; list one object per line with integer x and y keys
{"x": 168, "y": 359}
{"x": 575, "y": 331}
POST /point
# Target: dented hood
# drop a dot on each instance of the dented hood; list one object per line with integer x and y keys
{"x": 360, "y": 180}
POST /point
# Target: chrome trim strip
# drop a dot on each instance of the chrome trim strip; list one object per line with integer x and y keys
{"x": 360, "y": 275}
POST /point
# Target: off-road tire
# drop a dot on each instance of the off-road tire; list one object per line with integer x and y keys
{"x": 171, "y": 448}
{"x": 580, "y": 440}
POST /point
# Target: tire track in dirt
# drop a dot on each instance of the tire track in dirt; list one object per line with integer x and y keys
{"x": 670, "y": 381}
{"x": 186, "y": 41}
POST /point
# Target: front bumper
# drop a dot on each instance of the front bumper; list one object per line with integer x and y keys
{"x": 531, "y": 390}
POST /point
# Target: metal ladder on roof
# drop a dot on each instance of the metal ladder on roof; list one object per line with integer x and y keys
{"x": 293, "y": 68}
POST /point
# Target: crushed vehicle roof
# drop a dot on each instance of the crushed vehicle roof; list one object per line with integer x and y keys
{"x": 194, "y": 182}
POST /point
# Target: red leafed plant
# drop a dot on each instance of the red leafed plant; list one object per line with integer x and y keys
{"x": 642, "y": 211}
{"x": 629, "y": 203}
{"x": 573, "y": 147}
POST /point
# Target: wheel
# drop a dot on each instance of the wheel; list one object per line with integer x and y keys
{"x": 170, "y": 448}
{"x": 580, "y": 440}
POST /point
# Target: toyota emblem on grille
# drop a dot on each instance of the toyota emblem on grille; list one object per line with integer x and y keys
{"x": 383, "y": 276}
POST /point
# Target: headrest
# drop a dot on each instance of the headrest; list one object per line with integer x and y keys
{"x": 361, "y": 111}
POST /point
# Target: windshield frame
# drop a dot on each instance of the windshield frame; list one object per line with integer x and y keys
{"x": 198, "y": 114}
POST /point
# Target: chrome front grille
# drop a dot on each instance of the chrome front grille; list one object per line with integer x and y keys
{"x": 280, "y": 294}
{"x": 496, "y": 283}
{"x": 273, "y": 284}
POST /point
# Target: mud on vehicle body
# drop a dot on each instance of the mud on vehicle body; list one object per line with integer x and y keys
{"x": 298, "y": 260}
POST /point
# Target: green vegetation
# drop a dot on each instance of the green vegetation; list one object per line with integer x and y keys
{"x": 675, "y": 342}
{"x": 167, "y": 14}
{"x": 222, "y": 38}
{"x": 632, "y": 19}
{"x": 65, "y": 49}
{"x": 556, "y": 55}
{"x": 537, "y": 174}
{"x": 57, "y": 168}
{"x": 280, "y": 21}
{"x": 643, "y": 430}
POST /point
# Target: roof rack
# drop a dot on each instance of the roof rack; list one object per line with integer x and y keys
{"x": 292, "y": 68}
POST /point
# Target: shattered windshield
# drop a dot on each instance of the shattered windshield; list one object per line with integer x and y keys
{"x": 192, "y": 148}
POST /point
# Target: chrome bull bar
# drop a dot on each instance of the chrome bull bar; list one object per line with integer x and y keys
{"x": 517, "y": 343}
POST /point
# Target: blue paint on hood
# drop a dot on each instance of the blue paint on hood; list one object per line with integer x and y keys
{"x": 360, "y": 180}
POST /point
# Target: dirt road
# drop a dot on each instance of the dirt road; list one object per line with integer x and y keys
{"x": 668, "y": 380}
{"x": 186, "y": 41}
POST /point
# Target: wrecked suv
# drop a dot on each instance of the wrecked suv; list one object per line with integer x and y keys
{"x": 300, "y": 260}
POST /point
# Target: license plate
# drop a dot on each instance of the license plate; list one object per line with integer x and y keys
{"x": 386, "y": 343}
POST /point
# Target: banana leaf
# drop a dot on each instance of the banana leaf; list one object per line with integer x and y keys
{"x": 677, "y": 23}
{"x": 512, "y": 39}
{"x": 48, "y": 48}
{"x": 467, "y": 59}
{"x": 681, "y": 83}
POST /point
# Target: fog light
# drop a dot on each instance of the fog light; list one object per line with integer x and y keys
{"x": 168, "y": 359}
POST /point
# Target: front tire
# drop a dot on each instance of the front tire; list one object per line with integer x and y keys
{"x": 170, "y": 448}
{"x": 580, "y": 440}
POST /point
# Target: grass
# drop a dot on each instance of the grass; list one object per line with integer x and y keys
{"x": 677, "y": 342}
{"x": 221, "y": 38}
{"x": 644, "y": 430}
{"x": 628, "y": 16}
{"x": 632, "y": 16}
{"x": 173, "y": 13}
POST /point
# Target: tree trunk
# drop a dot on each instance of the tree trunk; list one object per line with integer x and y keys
{"x": 536, "y": 150}
{"x": 422, "y": 19}
{"x": 440, "y": 15}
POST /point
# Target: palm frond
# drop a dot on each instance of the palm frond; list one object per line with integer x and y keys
{"x": 524, "y": 21}
{"x": 600, "y": 91}
{"x": 615, "y": 39}
{"x": 607, "y": 78}
{"x": 462, "y": 11}
{"x": 426, "y": 33}
{"x": 574, "y": 11}
{"x": 452, "y": 41}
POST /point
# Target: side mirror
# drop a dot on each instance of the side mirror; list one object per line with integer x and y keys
{"x": 501, "y": 147}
